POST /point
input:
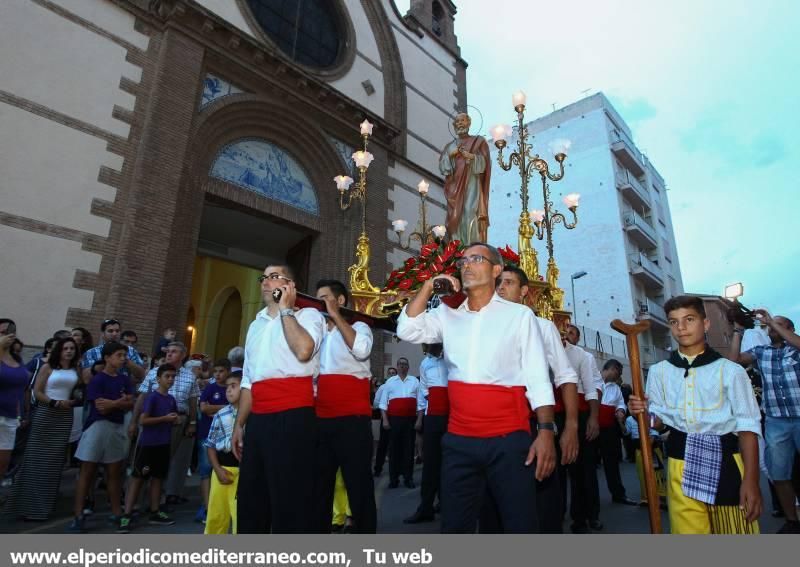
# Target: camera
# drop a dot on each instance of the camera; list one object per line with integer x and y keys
{"x": 738, "y": 313}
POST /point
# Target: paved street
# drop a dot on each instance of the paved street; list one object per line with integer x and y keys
{"x": 393, "y": 506}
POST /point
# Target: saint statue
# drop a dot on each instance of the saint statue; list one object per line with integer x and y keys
{"x": 467, "y": 168}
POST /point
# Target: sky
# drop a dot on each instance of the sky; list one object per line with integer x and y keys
{"x": 710, "y": 89}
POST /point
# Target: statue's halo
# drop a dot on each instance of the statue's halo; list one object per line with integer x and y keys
{"x": 456, "y": 113}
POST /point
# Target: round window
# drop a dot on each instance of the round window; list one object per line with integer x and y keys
{"x": 307, "y": 31}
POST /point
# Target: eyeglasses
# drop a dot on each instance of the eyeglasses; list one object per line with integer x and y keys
{"x": 272, "y": 277}
{"x": 474, "y": 259}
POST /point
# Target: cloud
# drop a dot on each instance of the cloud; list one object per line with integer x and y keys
{"x": 634, "y": 110}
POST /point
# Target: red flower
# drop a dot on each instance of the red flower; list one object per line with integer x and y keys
{"x": 509, "y": 255}
{"x": 405, "y": 284}
{"x": 423, "y": 275}
{"x": 428, "y": 249}
{"x": 410, "y": 263}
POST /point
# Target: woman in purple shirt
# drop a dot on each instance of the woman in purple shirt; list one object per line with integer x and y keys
{"x": 14, "y": 381}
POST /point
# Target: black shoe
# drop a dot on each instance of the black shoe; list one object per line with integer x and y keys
{"x": 409, "y": 484}
{"x": 625, "y": 500}
{"x": 347, "y": 529}
{"x": 77, "y": 526}
{"x": 777, "y": 513}
{"x": 579, "y": 529}
{"x": 337, "y": 528}
{"x": 173, "y": 500}
{"x": 596, "y": 525}
{"x": 160, "y": 518}
{"x": 789, "y": 528}
{"x": 419, "y": 518}
{"x": 394, "y": 484}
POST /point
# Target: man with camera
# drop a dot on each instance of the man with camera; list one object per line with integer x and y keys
{"x": 779, "y": 365}
{"x": 492, "y": 376}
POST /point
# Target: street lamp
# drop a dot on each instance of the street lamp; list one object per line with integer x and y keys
{"x": 573, "y": 277}
{"x": 734, "y": 291}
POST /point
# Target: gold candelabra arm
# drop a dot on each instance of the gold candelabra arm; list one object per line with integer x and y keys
{"x": 558, "y": 176}
{"x": 506, "y": 166}
{"x": 345, "y": 202}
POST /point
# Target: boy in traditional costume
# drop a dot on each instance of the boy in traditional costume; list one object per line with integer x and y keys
{"x": 708, "y": 406}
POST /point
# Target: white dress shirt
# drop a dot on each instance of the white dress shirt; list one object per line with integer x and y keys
{"x": 716, "y": 398}
{"x": 498, "y": 345}
{"x": 396, "y": 387}
{"x": 563, "y": 373}
{"x": 376, "y": 402}
{"x": 432, "y": 373}
{"x": 581, "y": 363}
{"x": 612, "y": 396}
{"x": 267, "y": 354}
{"x": 335, "y": 357}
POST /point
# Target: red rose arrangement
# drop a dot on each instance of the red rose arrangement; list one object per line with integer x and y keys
{"x": 511, "y": 258}
{"x": 435, "y": 258}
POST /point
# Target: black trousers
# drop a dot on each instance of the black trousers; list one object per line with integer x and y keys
{"x": 473, "y": 466}
{"x": 549, "y": 503}
{"x": 401, "y": 447}
{"x": 382, "y": 450}
{"x": 346, "y": 443}
{"x": 276, "y": 476}
{"x": 435, "y": 426}
{"x": 582, "y": 475}
{"x": 609, "y": 442}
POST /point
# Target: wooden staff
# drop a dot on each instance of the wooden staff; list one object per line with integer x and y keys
{"x": 632, "y": 333}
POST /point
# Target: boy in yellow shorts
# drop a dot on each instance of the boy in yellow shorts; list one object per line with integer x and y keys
{"x": 225, "y": 480}
{"x": 708, "y": 406}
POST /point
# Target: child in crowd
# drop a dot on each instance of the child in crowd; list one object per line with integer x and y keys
{"x": 151, "y": 460}
{"x": 166, "y": 337}
{"x": 224, "y": 483}
{"x": 212, "y": 399}
{"x": 632, "y": 431}
{"x": 707, "y": 404}
{"x": 105, "y": 440}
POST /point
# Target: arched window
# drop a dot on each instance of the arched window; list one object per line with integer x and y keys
{"x": 309, "y": 32}
{"x": 438, "y": 17}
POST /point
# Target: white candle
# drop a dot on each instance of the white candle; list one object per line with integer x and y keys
{"x": 399, "y": 225}
{"x": 362, "y": 158}
{"x": 518, "y": 99}
{"x": 343, "y": 182}
{"x": 366, "y": 128}
{"x": 572, "y": 199}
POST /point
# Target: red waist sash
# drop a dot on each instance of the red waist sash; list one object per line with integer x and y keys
{"x": 484, "y": 410}
{"x": 438, "y": 401}
{"x": 402, "y": 407}
{"x": 342, "y": 394}
{"x": 280, "y": 394}
{"x": 583, "y": 405}
{"x": 607, "y": 416}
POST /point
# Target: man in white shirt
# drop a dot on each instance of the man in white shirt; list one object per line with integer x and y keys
{"x": 344, "y": 415}
{"x": 549, "y": 498}
{"x": 584, "y": 490}
{"x": 612, "y": 421}
{"x": 398, "y": 406}
{"x": 496, "y": 367}
{"x": 433, "y": 408}
{"x": 276, "y": 476}
{"x": 383, "y": 436}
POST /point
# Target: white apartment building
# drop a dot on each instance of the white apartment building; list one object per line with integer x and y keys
{"x": 624, "y": 239}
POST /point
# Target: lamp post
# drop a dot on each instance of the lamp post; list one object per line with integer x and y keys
{"x": 359, "y": 272}
{"x": 573, "y": 277}
{"x": 425, "y": 233}
{"x": 544, "y": 220}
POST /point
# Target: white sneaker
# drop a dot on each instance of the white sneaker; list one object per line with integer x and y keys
{"x": 188, "y": 472}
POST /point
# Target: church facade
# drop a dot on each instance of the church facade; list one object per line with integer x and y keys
{"x": 156, "y": 154}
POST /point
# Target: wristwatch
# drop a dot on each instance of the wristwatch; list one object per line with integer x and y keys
{"x": 547, "y": 426}
{"x": 287, "y": 312}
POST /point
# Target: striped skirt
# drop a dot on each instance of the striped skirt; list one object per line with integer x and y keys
{"x": 39, "y": 477}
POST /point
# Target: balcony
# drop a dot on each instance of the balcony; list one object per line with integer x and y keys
{"x": 646, "y": 271}
{"x": 651, "y": 355}
{"x": 653, "y": 312}
{"x": 632, "y": 190}
{"x": 627, "y": 153}
{"x": 640, "y": 230}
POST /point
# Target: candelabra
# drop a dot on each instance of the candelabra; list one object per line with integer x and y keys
{"x": 360, "y": 286}
{"x": 424, "y": 233}
{"x": 529, "y": 163}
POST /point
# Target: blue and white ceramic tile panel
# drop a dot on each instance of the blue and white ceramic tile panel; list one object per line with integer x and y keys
{"x": 214, "y": 88}
{"x": 346, "y": 153}
{"x": 258, "y": 165}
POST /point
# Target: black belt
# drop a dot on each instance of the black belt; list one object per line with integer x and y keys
{"x": 730, "y": 479}
{"x": 227, "y": 459}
